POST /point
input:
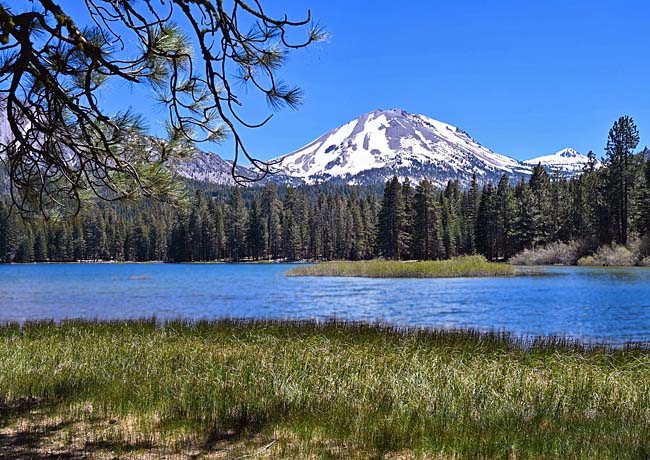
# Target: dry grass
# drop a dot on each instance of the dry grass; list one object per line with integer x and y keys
{"x": 465, "y": 266}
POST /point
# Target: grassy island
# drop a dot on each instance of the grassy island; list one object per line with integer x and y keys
{"x": 239, "y": 389}
{"x": 458, "y": 267}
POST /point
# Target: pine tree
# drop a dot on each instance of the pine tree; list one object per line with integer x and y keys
{"x": 237, "y": 217}
{"x": 140, "y": 242}
{"x": 25, "y": 249}
{"x": 408, "y": 221}
{"x": 428, "y": 242}
{"x": 644, "y": 201}
{"x": 448, "y": 225}
{"x": 540, "y": 187}
{"x": 486, "y": 223}
{"x": 78, "y": 241}
{"x": 271, "y": 210}
{"x": 455, "y": 218}
{"x": 40, "y": 244}
{"x": 256, "y": 233}
{"x": 291, "y": 237}
{"x": 219, "y": 232}
{"x": 294, "y": 225}
{"x": 370, "y": 218}
{"x": 470, "y": 210}
{"x": 391, "y": 215}
{"x": 4, "y": 232}
{"x": 504, "y": 218}
{"x": 622, "y": 140}
{"x": 523, "y": 226}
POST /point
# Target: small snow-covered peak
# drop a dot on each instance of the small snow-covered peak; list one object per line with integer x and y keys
{"x": 564, "y": 156}
{"x": 566, "y": 161}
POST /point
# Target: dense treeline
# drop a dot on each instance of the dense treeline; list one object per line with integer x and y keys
{"x": 601, "y": 206}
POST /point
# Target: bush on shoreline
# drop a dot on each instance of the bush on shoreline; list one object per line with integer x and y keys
{"x": 557, "y": 253}
{"x": 610, "y": 256}
{"x": 582, "y": 253}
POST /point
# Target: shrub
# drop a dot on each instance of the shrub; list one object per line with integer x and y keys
{"x": 611, "y": 256}
{"x": 645, "y": 262}
{"x": 557, "y": 253}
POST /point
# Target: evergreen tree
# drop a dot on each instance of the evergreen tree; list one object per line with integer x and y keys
{"x": 486, "y": 223}
{"x": 428, "y": 244}
{"x": 237, "y": 225}
{"x": 540, "y": 187}
{"x": 79, "y": 242}
{"x": 140, "y": 242}
{"x": 523, "y": 226}
{"x": 256, "y": 234}
{"x": 271, "y": 210}
{"x": 504, "y": 218}
{"x": 4, "y": 231}
{"x": 448, "y": 234}
{"x": 622, "y": 140}
{"x": 391, "y": 215}
{"x": 40, "y": 244}
{"x": 219, "y": 232}
{"x": 294, "y": 230}
{"x": 408, "y": 221}
{"x": 644, "y": 201}
{"x": 470, "y": 210}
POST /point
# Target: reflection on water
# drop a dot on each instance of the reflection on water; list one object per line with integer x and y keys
{"x": 598, "y": 303}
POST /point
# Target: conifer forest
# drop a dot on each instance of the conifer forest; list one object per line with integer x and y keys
{"x": 403, "y": 221}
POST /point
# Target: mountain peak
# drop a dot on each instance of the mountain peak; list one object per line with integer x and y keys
{"x": 394, "y": 111}
{"x": 567, "y": 161}
{"x": 568, "y": 152}
{"x": 382, "y": 143}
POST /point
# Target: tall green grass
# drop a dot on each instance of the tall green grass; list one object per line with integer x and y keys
{"x": 465, "y": 266}
{"x": 308, "y": 390}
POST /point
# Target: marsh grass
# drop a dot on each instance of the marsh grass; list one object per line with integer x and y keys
{"x": 227, "y": 389}
{"x": 465, "y": 266}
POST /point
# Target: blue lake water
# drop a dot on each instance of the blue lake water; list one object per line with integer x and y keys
{"x": 592, "y": 303}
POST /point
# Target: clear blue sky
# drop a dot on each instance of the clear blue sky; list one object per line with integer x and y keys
{"x": 523, "y": 78}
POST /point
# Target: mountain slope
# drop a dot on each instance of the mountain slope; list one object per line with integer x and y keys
{"x": 200, "y": 166}
{"x": 209, "y": 167}
{"x": 382, "y": 143}
{"x": 567, "y": 162}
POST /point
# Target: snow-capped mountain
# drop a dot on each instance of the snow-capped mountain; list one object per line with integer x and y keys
{"x": 372, "y": 148}
{"x": 567, "y": 161}
{"x": 383, "y": 143}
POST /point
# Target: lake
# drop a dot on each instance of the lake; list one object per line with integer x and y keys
{"x": 590, "y": 303}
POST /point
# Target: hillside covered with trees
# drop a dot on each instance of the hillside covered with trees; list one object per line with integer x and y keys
{"x": 600, "y": 207}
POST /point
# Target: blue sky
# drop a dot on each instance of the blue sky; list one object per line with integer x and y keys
{"x": 523, "y": 78}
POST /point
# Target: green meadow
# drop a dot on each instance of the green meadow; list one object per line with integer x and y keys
{"x": 266, "y": 389}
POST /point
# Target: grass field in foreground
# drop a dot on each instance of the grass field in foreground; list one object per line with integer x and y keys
{"x": 229, "y": 389}
{"x": 465, "y": 266}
